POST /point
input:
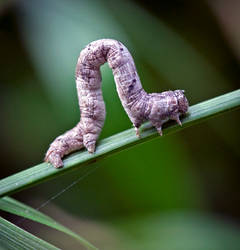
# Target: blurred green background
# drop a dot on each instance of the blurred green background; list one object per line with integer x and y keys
{"x": 177, "y": 192}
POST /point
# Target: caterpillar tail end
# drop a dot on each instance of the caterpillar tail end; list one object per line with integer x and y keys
{"x": 70, "y": 141}
{"x": 53, "y": 157}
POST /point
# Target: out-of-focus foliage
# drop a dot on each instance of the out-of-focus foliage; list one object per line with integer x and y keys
{"x": 13, "y": 237}
{"x": 180, "y": 44}
{"x": 18, "y": 208}
{"x": 178, "y": 231}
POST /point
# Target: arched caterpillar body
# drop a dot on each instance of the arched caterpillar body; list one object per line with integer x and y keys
{"x": 139, "y": 105}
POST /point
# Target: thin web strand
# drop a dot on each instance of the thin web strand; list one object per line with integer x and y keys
{"x": 55, "y": 196}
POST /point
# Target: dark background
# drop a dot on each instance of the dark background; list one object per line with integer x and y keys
{"x": 177, "y": 192}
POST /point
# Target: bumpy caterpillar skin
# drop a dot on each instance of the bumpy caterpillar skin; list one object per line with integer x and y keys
{"x": 139, "y": 105}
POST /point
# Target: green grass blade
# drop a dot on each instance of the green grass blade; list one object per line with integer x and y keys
{"x": 116, "y": 143}
{"x": 13, "y": 206}
{"x": 13, "y": 237}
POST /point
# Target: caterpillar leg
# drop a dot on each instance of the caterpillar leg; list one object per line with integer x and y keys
{"x": 137, "y": 132}
{"x": 159, "y": 129}
{"x": 136, "y": 124}
{"x": 53, "y": 156}
{"x": 176, "y": 118}
{"x": 89, "y": 141}
{"x": 64, "y": 144}
{"x": 91, "y": 129}
{"x": 158, "y": 126}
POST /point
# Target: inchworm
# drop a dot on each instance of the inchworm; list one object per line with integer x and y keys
{"x": 139, "y": 105}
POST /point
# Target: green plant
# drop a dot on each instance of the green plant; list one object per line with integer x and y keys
{"x": 117, "y": 143}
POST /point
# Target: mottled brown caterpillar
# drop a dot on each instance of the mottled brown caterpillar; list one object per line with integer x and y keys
{"x": 139, "y": 105}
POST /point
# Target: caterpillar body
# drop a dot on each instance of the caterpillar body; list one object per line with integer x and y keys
{"x": 139, "y": 105}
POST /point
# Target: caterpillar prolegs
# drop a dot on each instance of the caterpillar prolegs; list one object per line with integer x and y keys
{"x": 139, "y": 105}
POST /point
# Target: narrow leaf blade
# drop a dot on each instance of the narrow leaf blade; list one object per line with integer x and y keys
{"x": 13, "y": 206}
{"x": 116, "y": 143}
{"x": 13, "y": 237}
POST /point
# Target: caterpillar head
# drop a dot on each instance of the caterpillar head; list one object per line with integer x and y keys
{"x": 182, "y": 101}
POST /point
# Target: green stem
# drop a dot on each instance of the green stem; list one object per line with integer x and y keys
{"x": 116, "y": 143}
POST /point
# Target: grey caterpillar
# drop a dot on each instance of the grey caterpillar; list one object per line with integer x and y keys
{"x": 139, "y": 105}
